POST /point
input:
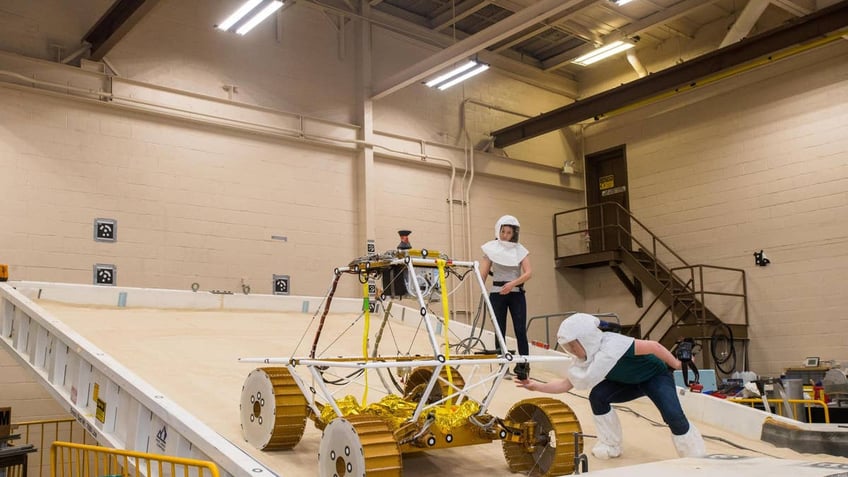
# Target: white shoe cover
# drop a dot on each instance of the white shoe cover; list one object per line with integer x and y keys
{"x": 609, "y": 436}
{"x": 690, "y": 444}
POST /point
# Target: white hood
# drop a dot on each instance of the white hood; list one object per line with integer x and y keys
{"x": 509, "y": 254}
{"x": 603, "y": 350}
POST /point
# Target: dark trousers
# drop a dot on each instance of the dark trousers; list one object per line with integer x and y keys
{"x": 659, "y": 389}
{"x": 516, "y": 303}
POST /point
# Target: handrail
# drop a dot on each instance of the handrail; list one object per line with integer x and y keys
{"x": 679, "y": 285}
{"x": 618, "y": 207}
{"x": 79, "y": 460}
{"x": 794, "y": 402}
{"x": 47, "y": 431}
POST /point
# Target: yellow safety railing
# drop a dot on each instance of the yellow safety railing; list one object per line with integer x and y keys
{"x": 41, "y": 434}
{"x": 79, "y": 460}
{"x": 793, "y": 402}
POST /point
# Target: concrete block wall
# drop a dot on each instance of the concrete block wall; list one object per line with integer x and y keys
{"x": 191, "y": 204}
{"x": 759, "y": 163}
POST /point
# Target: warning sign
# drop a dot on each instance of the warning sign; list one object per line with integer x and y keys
{"x": 607, "y": 182}
{"x": 100, "y": 414}
{"x": 5, "y": 421}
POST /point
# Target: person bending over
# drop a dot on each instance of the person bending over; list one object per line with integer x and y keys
{"x": 616, "y": 369}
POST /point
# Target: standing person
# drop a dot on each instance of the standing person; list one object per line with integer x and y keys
{"x": 509, "y": 264}
{"x": 617, "y": 369}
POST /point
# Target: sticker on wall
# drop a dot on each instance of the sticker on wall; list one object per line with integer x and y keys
{"x": 613, "y": 191}
{"x": 607, "y": 182}
{"x": 100, "y": 413}
{"x": 5, "y": 421}
{"x": 105, "y": 274}
{"x": 162, "y": 438}
{"x": 281, "y": 285}
{"x": 105, "y": 230}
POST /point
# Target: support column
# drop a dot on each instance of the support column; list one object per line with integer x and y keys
{"x": 366, "y": 197}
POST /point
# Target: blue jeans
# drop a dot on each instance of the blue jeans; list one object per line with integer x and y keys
{"x": 660, "y": 389}
{"x": 516, "y": 303}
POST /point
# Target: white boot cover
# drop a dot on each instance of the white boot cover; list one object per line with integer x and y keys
{"x": 609, "y": 436}
{"x": 690, "y": 444}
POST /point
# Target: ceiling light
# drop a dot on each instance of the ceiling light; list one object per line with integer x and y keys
{"x": 603, "y": 52}
{"x": 250, "y": 14}
{"x": 457, "y": 75}
{"x": 621, "y": 2}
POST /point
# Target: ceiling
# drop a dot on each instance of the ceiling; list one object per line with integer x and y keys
{"x": 535, "y": 41}
{"x": 532, "y": 40}
{"x": 541, "y": 48}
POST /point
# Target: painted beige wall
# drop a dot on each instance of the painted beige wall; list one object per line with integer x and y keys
{"x": 759, "y": 162}
{"x": 192, "y": 204}
{"x": 28, "y": 400}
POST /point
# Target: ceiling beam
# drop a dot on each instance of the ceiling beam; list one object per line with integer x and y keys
{"x": 810, "y": 27}
{"x": 513, "y": 68}
{"x": 745, "y": 21}
{"x": 467, "y": 47}
{"x": 121, "y": 17}
{"x": 792, "y": 7}
{"x": 658, "y": 18}
{"x": 464, "y": 9}
{"x": 423, "y": 36}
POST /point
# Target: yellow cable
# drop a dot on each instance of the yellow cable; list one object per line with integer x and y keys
{"x": 440, "y": 263}
{"x": 366, "y": 305}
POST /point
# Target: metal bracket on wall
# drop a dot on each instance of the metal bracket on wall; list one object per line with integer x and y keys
{"x": 634, "y": 286}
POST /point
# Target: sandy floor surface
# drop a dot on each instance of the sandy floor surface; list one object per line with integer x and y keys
{"x": 192, "y": 358}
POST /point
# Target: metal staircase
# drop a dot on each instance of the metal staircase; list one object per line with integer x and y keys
{"x": 703, "y": 302}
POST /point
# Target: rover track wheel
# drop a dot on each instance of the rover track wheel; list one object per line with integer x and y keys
{"x": 553, "y": 452}
{"x": 273, "y": 410}
{"x": 417, "y": 381}
{"x": 359, "y": 446}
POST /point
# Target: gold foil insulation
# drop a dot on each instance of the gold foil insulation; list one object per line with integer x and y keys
{"x": 396, "y": 411}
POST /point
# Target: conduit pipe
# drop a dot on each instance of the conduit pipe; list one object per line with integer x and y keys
{"x": 469, "y": 173}
{"x": 137, "y": 105}
{"x": 425, "y": 157}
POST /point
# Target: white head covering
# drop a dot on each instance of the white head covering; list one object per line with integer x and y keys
{"x": 603, "y": 350}
{"x": 509, "y": 254}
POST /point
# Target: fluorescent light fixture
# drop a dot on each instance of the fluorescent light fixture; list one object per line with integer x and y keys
{"x": 476, "y": 71}
{"x": 450, "y": 74}
{"x": 263, "y": 14}
{"x": 603, "y": 52}
{"x": 239, "y": 14}
{"x": 265, "y": 9}
{"x": 621, "y": 2}
{"x": 457, "y": 75}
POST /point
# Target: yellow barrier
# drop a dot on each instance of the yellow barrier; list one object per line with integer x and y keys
{"x": 793, "y": 402}
{"x": 43, "y": 433}
{"x": 80, "y": 460}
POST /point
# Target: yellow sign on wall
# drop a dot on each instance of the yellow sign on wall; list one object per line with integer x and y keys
{"x": 607, "y": 182}
{"x": 100, "y": 414}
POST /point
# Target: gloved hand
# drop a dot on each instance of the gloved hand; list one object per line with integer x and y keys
{"x": 684, "y": 350}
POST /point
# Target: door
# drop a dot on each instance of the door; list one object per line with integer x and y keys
{"x": 606, "y": 185}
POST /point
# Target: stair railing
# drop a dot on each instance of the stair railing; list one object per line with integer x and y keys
{"x": 649, "y": 244}
{"x": 653, "y": 249}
